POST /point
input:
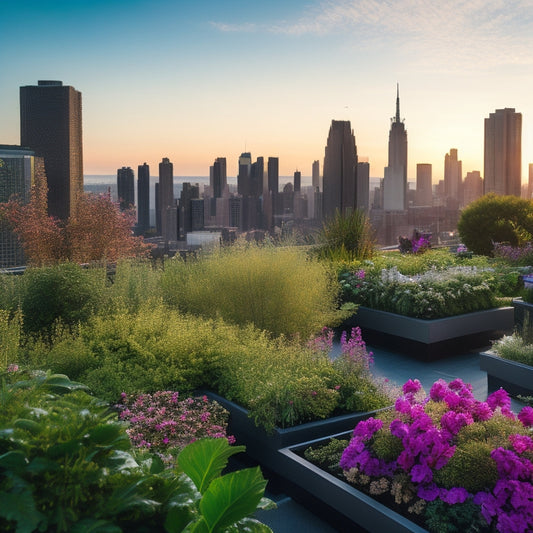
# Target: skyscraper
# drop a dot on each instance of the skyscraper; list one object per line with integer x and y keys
{"x": 297, "y": 181}
{"x": 219, "y": 178}
{"x": 243, "y": 178}
{"x": 424, "y": 192}
{"x": 472, "y": 187}
{"x": 51, "y": 126}
{"x": 125, "y": 188}
{"x": 316, "y": 175}
{"x": 340, "y": 170}
{"x": 395, "y": 181}
{"x": 503, "y": 153}
{"x": 143, "y": 197}
{"x": 453, "y": 178}
{"x": 362, "y": 192}
{"x": 165, "y": 194}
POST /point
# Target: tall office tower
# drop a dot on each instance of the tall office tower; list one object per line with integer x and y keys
{"x": 424, "y": 185}
{"x": 453, "y": 178}
{"x": 165, "y": 192}
{"x": 126, "y": 188}
{"x": 362, "y": 192}
{"x": 50, "y": 125}
{"x": 243, "y": 177}
{"x": 395, "y": 181}
{"x": 219, "y": 180}
{"x": 273, "y": 184}
{"x": 188, "y": 193}
{"x": 472, "y": 187}
{"x": 143, "y": 197}
{"x": 340, "y": 170}
{"x": 315, "y": 172}
{"x": 257, "y": 172}
{"x": 19, "y": 170}
{"x": 503, "y": 153}
{"x": 530, "y": 182}
{"x": 297, "y": 181}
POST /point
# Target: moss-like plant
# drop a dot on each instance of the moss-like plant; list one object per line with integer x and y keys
{"x": 327, "y": 456}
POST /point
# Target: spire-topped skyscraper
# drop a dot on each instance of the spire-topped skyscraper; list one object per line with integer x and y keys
{"x": 395, "y": 182}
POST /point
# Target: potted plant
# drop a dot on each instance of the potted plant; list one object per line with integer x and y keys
{"x": 445, "y": 458}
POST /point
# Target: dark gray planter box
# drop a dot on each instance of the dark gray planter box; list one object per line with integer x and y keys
{"x": 263, "y": 446}
{"x": 433, "y": 339}
{"x": 516, "y": 378}
{"x": 358, "y": 508}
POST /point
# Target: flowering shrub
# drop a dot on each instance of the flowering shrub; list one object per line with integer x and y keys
{"x": 448, "y": 447}
{"x": 418, "y": 244}
{"x": 434, "y": 294}
{"x": 515, "y": 347}
{"x": 162, "y": 422}
{"x": 516, "y": 255}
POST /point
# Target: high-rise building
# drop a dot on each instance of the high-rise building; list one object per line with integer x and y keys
{"x": 395, "y": 180}
{"x": 189, "y": 192}
{"x": 243, "y": 177}
{"x": 51, "y": 126}
{"x": 472, "y": 187}
{"x": 453, "y": 178}
{"x": 165, "y": 193}
{"x": 340, "y": 170}
{"x": 19, "y": 171}
{"x": 126, "y": 188}
{"x": 424, "y": 191}
{"x": 297, "y": 181}
{"x": 362, "y": 192}
{"x": 315, "y": 173}
{"x": 503, "y": 153}
{"x": 273, "y": 185}
{"x": 143, "y": 197}
{"x": 530, "y": 182}
{"x": 219, "y": 180}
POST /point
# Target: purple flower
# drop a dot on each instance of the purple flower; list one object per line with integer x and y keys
{"x": 412, "y": 386}
{"x": 454, "y": 495}
{"x": 521, "y": 443}
{"x": 499, "y": 398}
{"x": 428, "y": 492}
{"x": 366, "y": 428}
{"x": 526, "y": 416}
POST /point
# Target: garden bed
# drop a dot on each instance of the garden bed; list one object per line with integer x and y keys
{"x": 432, "y": 339}
{"x": 516, "y": 378}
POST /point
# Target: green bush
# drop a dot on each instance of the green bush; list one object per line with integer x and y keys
{"x": 277, "y": 289}
{"x": 327, "y": 456}
{"x": 63, "y": 292}
{"x": 67, "y": 465}
{"x": 346, "y": 237}
{"x": 515, "y": 348}
{"x": 495, "y": 219}
{"x": 10, "y": 336}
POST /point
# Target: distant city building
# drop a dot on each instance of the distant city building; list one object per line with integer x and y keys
{"x": 315, "y": 174}
{"x": 297, "y": 181}
{"x": 143, "y": 197}
{"x": 503, "y": 153}
{"x": 472, "y": 187}
{"x": 243, "y": 177}
{"x": 189, "y": 193}
{"x": 219, "y": 180}
{"x": 19, "y": 171}
{"x": 362, "y": 192}
{"x": 340, "y": 170}
{"x": 424, "y": 190}
{"x": 395, "y": 180}
{"x": 165, "y": 195}
{"x": 51, "y": 126}
{"x": 126, "y": 188}
{"x": 273, "y": 184}
{"x": 530, "y": 182}
{"x": 453, "y": 179}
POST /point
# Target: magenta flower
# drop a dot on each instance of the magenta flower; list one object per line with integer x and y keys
{"x": 412, "y": 386}
{"x": 526, "y": 416}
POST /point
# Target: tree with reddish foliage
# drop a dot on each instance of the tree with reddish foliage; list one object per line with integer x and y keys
{"x": 97, "y": 231}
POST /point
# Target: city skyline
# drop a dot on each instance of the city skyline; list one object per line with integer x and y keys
{"x": 194, "y": 81}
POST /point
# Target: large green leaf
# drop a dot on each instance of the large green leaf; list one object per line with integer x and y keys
{"x": 204, "y": 460}
{"x": 232, "y": 497}
{"x": 20, "y": 507}
{"x": 248, "y": 525}
{"x": 13, "y": 460}
{"x": 61, "y": 384}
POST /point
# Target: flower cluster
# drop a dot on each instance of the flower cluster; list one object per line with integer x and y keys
{"x": 161, "y": 421}
{"x": 426, "y": 432}
{"x": 419, "y": 243}
{"x": 516, "y": 255}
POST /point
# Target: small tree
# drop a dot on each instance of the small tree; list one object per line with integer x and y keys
{"x": 494, "y": 219}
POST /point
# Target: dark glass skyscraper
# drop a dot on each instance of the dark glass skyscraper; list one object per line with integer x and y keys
{"x": 165, "y": 193}
{"x": 340, "y": 170}
{"x": 143, "y": 197}
{"x": 126, "y": 188}
{"x": 50, "y": 125}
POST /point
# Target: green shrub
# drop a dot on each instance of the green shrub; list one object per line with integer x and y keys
{"x": 346, "y": 237}
{"x": 493, "y": 219}
{"x": 66, "y": 464}
{"x": 464, "y": 517}
{"x": 64, "y": 291}
{"x": 327, "y": 456}
{"x": 10, "y": 291}
{"x": 277, "y": 289}
{"x": 10, "y": 335}
{"x": 515, "y": 348}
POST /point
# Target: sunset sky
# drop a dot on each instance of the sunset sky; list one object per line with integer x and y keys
{"x": 193, "y": 80}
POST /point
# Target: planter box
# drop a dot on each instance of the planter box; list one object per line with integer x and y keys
{"x": 263, "y": 446}
{"x": 516, "y": 378}
{"x": 432, "y": 339}
{"x": 356, "y": 507}
{"x": 523, "y": 314}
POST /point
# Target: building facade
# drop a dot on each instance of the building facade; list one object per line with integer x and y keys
{"x": 143, "y": 197}
{"x": 503, "y": 153}
{"x": 165, "y": 196}
{"x": 395, "y": 180}
{"x": 340, "y": 170}
{"x": 126, "y": 188}
{"x": 453, "y": 178}
{"x": 51, "y": 126}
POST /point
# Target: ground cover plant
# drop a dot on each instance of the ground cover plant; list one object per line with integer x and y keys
{"x": 514, "y": 347}
{"x": 449, "y": 461}
{"x": 67, "y": 465}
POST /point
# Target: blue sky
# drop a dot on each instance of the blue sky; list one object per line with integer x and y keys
{"x": 196, "y": 80}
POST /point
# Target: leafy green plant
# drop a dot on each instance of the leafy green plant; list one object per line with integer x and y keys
{"x": 10, "y": 335}
{"x": 66, "y": 464}
{"x": 277, "y": 289}
{"x": 515, "y": 348}
{"x": 327, "y": 456}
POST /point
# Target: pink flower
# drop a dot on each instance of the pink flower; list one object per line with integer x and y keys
{"x": 526, "y": 416}
{"x": 412, "y": 386}
{"x": 13, "y": 368}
